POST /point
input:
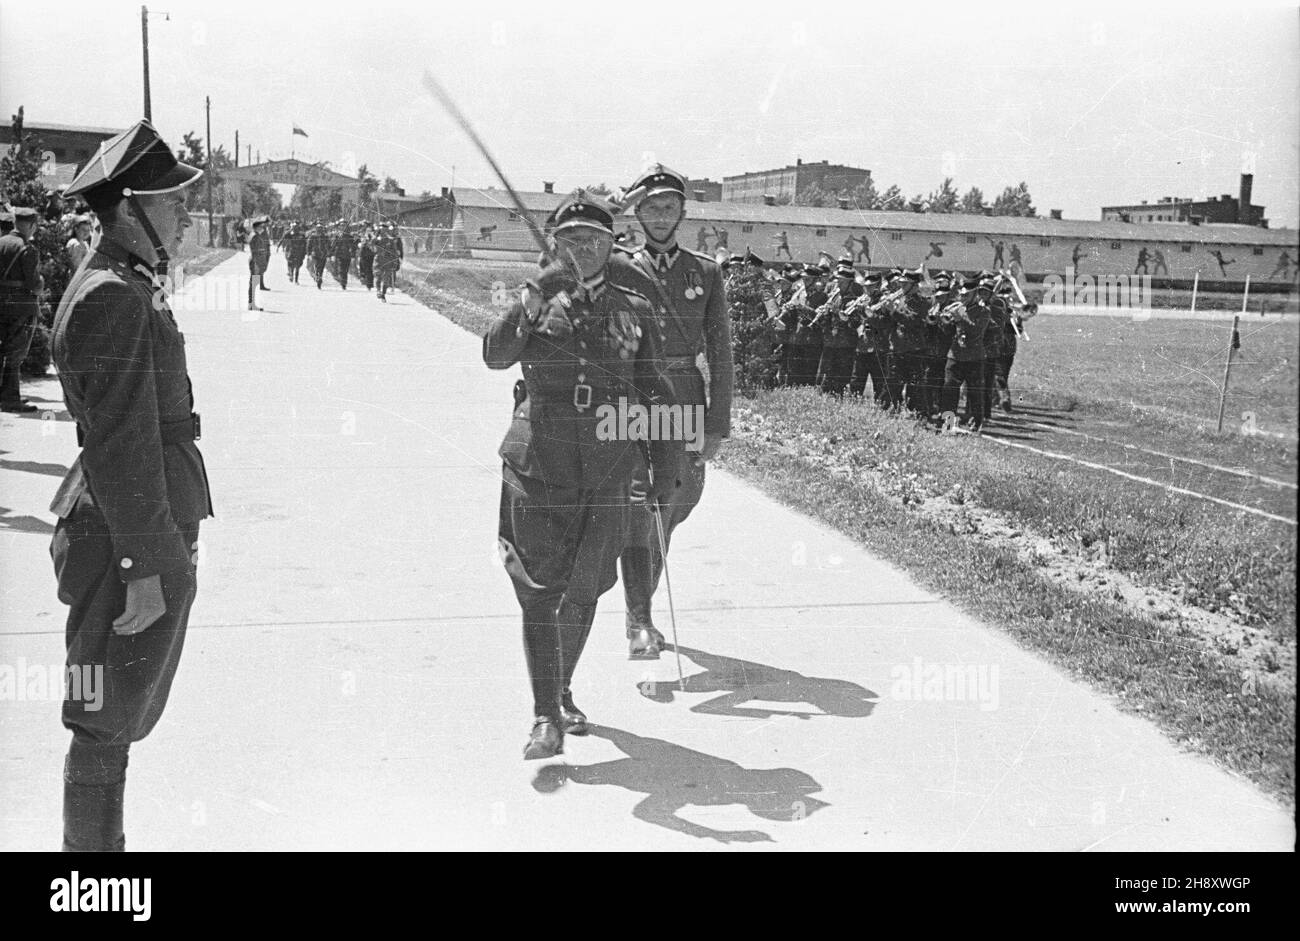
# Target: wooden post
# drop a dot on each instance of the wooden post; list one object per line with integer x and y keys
{"x": 1196, "y": 281}
{"x": 1227, "y": 368}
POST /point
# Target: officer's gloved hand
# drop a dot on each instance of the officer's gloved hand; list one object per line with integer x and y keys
{"x": 547, "y": 299}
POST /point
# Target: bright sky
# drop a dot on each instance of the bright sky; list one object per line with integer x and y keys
{"x": 1090, "y": 104}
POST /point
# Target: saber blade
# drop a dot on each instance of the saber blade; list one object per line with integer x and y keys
{"x": 672, "y": 612}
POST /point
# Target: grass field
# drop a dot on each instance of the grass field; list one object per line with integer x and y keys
{"x": 1111, "y": 392}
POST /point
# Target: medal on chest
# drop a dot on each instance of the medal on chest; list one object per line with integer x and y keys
{"x": 694, "y": 286}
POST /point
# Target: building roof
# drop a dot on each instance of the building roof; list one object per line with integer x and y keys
{"x": 499, "y": 199}
{"x": 35, "y": 126}
{"x": 401, "y": 198}
{"x": 992, "y": 226}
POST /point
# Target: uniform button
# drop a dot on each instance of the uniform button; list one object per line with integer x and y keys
{"x": 582, "y": 377}
{"x": 582, "y": 343}
{"x": 581, "y": 361}
{"x": 126, "y": 563}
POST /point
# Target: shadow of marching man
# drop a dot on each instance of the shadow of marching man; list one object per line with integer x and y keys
{"x": 743, "y": 681}
{"x": 674, "y": 778}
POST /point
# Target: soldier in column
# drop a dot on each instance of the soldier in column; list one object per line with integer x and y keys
{"x": 21, "y": 285}
{"x": 318, "y": 251}
{"x": 839, "y": 337}
{"x": 686, "y": 289}
{"x": 584, "y": 343}
{"x": 344, "y": 248}
{"x": 944, "y": 306}
{"x": 366, "y": 256}
{"x": 965, "y": 363}
{"x": 911, "y": 312}
{"x": 995, "y": 341}
{"x": 871, "y": 355}
{"x": 295, "y": 250}
{"x": 125, "y": 546}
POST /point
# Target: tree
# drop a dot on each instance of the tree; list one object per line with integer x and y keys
{"x": 599, "y": 189}
{"x": 369, "y": 184}
{"x": 813, "y": 195}
{"x": 892, "y": 198}
{"x": 258, "y": 199}
{"x": 1014, "y": 201}
{"x": 391, "y": 186}
{"x": 973, "y": 201}
{"x": 864, "y": 195}
{"x": 944, "y": 199}
{"x": 917, "y": 203}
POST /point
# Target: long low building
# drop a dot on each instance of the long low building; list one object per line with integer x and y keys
{"x": 486, "y": 222}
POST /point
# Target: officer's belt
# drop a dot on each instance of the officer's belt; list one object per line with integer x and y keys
{"x": 171, "y": 432}
{"x": 579, "y": 397}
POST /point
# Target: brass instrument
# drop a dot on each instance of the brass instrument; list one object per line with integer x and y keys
{"x": 832, "y": 304}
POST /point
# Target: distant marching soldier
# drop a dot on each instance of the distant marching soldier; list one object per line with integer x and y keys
{"x": 295, "y": 250}
{"x": 871, "y": 355}
{"x": 1010, "y": 339}
{"x": 565, "y": 485}
{"x": 259, "y": 257}
{"x": 344, "y": 248}
{"x": 21, "y": 285}
{"x": 1000, "y": 312}
{"x": 318, "y": 251}
{"x": 687, "y": 291}
{"x": 388, "y": 259}
{"x": 125, "y": 547}
{"x": 938, "y": 334}
{"x": 965, "y": 363}
{"x": 366, "y": 256}
{"x": 840, "y": 338}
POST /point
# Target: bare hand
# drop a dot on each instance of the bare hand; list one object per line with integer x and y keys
{"x": 144, "y": 605}
{"x": 710, "y": 450}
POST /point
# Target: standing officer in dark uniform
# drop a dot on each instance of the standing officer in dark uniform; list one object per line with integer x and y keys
{"x": 366, "y": 256}
{"x": 20, "y": 288}
{"x": 388, "y": 259}
{"x": 259, "y": 257}
{"x": 129, "y": 509}
{"x": 583, "y": 343}
{"x": 345, "y": 246}
{"x": 690, "y": 302}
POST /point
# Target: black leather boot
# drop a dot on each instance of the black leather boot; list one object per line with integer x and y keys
{"x": 542, "y": 652}
{"x": 574, "y": 625}
{"x": 639, "y": 580}
{"x": 94, "y": 782}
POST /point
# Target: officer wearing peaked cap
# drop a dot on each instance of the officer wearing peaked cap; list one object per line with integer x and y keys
{"x": 687, "y": 292}
{"x": 20, "y": 288}
{"x": 125, "y": 546}
{"x": 586, "y": 346}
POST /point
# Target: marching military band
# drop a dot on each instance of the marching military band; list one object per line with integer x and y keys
{"x": 917, "y": 337}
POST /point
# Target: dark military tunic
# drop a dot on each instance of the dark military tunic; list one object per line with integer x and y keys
{"x": 131, "y": 503}
{"x": 20, "y": 279}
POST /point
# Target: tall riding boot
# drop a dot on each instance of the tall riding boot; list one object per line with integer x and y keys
{"x": 94, "y": 779}
{"x": 639, "y": 580}
{"x": 574, "y": 622}
{"x": 542, "y": 652}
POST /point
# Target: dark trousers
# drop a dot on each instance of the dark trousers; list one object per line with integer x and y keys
{"x": 558, "y": 544}
{"x": 17, "y": 325}
{"x": 1001, "y": 373}
{"x": 366, "y": 269}
{"x": 803, "y": 364}
{"x": 872, "y": 365}
{"x": 968, "y": 372}
{"x": 137, "y": 670}
{"x": 935, "y": 363}
{"x": 910, "y": 384}
{"x": 835, "y": 370}
{"x": 295, "y": 267}
{"x": 341, "y": 265}
{"x": 318, "y": 269}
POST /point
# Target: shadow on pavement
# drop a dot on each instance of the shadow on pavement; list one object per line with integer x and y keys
{"x": 23, "y": 524}
{"x": 743, "y": 681}
{"x": 33, "y": 467}
{"x": 673, "y": 778}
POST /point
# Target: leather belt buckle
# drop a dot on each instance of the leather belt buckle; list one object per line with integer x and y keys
{"x": 582, "y": 396}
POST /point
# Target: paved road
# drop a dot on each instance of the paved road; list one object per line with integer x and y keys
{"x": 354, "y": 677}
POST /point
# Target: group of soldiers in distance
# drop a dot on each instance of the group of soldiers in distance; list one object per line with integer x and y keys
{"x": 918, "y": 337}
{"x": 376, "y": 251}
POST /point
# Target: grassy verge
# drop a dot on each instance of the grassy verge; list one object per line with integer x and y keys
{"x": 202, "y": 260}
{"x": 1155, "y": 670}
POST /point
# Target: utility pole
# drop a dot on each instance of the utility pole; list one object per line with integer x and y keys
{"x": 236, "y": 149}
{"x": 144, "y": 37}
{"x": 207, "y": 102}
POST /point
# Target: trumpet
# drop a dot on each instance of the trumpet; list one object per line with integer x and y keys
{"x": 832, "y": 304}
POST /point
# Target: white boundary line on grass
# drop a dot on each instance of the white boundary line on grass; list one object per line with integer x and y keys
{"x": 1239, "y": 472}
{"x": 1142, "y": 480}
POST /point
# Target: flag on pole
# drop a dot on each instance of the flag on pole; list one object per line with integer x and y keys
{"x": 298, "y": 130}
